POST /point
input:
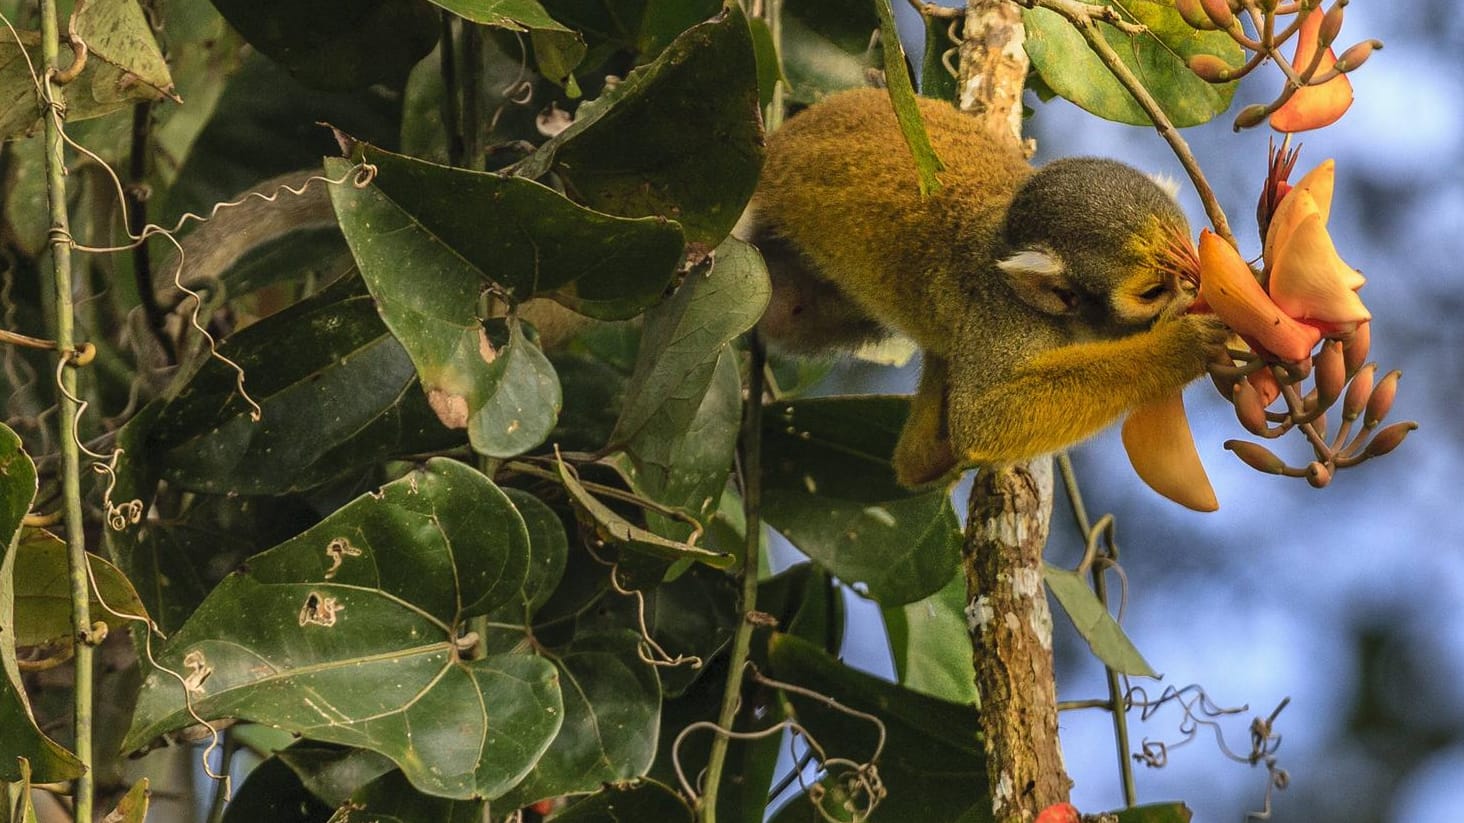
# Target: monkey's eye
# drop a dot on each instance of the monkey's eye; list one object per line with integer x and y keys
{"x": 1068, "y": 297}
{"x": 1154, "y": 293}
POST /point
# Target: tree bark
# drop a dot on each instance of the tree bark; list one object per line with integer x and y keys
{"x": 1009, "y": 511}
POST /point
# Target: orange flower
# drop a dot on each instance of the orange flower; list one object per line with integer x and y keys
{"x": 1162, "y": 450}
{"x": 1230, "y": 289}
{"x": 1313, "y": 107}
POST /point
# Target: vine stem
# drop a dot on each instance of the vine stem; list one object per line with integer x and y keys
{"x": 1081, "y": 17}
{"x": 750, "y": 465}
{"x": 60, "y": 237}
{"x": 1115, "y": 702}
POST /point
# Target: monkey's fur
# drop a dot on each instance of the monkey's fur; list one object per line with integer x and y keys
{"x": 1047, "y": 303}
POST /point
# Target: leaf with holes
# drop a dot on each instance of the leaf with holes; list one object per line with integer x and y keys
{"x": 680, "y": 137}
{"x": 49, "y": 762}
{"x": 348, "y": 634}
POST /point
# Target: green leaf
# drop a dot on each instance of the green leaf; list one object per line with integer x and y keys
{"x": 205, "y": 52}
{"x": 116, "y": 32}
{"x": 274, "y": 793}
{"x": 1092, "y": 620}
{"x": 932, "y": 765}
{"x": 686, "y": 331}
{"x": 524, "y": 403}
{"x": 611, "y": 527}
{"x": 99, "y": 90}
{"x": 549, "y": 548}
{"x": 336, "y": 391}
{"x": 642, "y": 800}
{"x": 337, "y": 44}
{"x": 612, "y": 713}
{"x": 902, "y": 95}
{"x": 931, "y": 645}
{"x": 826, "y": 47}
{"x": 1175, "y": 812}
{"x": 1158, "y": 58}
{"x": 43, "y": 592}
{"x": 683, "y": 454}
{"x": 24, "y": 810}
{"x": 392, "y": 799}
{"x": 132, "y": 808}
{"x": 680, "y": 138}
{"x": 351, "y": 633}
{"x": 828, "y": 487}
{"x": 769, "y": 65}
{"x": 48, "y": 762}
{"x": 557, "y": 49}
{"x": 936, "y": 81}
{"x": 333, "y": 773}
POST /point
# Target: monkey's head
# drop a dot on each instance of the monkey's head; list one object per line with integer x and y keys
{"x": 1101, "y": 244}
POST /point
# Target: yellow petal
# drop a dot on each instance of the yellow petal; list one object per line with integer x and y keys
{"x": 1318, "y": 183}
{"x": 1309, "y": 281}
{"x": 1311, "y": 195}
{"x": 1231, "y": 291}
{"x": 1162, "y": 451}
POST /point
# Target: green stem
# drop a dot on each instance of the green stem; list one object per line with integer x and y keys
{"x": 70, "y": 446}
{"x": 472, "y": 85}
{"x": 1115, "y": 702}
{"x": 751, "y": 472}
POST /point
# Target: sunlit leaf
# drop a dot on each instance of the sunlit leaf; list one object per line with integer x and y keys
{"x": 43, "y": 592}
{"x": 48, "y": 761}
{"x": 350, "y": 638}
{"x": 117, "y": 32}
{"x": 1092, "y": 620}
{"x": 930, "y": 644}
{"x": 1061, "y": 56}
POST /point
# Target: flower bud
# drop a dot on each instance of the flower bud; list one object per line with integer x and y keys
{"x": 1318, "y": 475}
{"x": 1219, "y": 13}
{"x": 1355, "y": 350}
{"x": 1381, "y": 401}
{"x": 1331, "y": 373}
{"x": 1358, "y": 392}
{"x": 1251, "y": 115}
{"x": 1331, "y": 24}
{"x": 1248, "y": 408}
{"x": 1193, "y": 15}
{"x": 1357, "y": 54}
{"x": 1210, "y": 68}
{"x": 1256, "y": 456}
{"x": 1388, "y": 439}
{"x": 1319, "y": 425}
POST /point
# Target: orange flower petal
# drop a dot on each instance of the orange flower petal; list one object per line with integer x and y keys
{"x": 1311, "y": 195}
{"x": 1162, "y": 451}
{"x": 1228, "y": 287}
{"x": 1313, "y": 107}
{"x": 1318, "y": 183}
{"x": 1310, "y": 282}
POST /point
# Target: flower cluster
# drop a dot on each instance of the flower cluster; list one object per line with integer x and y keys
{"x": 1306, "y": 294}
{"x": 1317, "y": 91}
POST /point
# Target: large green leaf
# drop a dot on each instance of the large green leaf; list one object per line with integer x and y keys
{"x": 550, "y": 549}
{"x": 826, "y": 46}
{"x": 350, "y": 638}
{"x": 680, "y": 137}
{"x": 828, "y": 487}
{"x": 392, "y": 799}
{"x": 612, "y": 713}
{"x": 931, "y": 644}
{"x": 683, "y": 454}
{"x": 1092, "y": 620}
{"x": 116, "y": 32}
{"x": 337, "y": 44}
{"x": 1062, "y": 58}
{"x": 642, "y": 800}
{"x": 49, "y": 762}
{"x": 685, "y": 333}
{"x": 932, "y": 765}
{"x": 333, "y": 773}
{"x": 335, "y": 389}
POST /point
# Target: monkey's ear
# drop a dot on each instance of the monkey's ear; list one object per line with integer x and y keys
{"x": 1040, "y": 280}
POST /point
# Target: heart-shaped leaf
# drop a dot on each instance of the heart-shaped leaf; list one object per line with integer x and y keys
{"x": 348, "y": 634}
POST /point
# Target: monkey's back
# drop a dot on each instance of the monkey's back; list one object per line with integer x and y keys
{"x": 840, "y": 184}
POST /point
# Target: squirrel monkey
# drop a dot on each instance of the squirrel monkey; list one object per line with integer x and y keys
{"x": 1047, "y": 303}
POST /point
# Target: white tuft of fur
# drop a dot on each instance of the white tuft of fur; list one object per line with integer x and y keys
{"x": 1168, "y": 183}
{"x": 1032, "y": 262}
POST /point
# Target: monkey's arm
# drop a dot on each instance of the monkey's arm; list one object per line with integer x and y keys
{"x": 923, "y": 454}
{"x": 1067, "y": 394}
